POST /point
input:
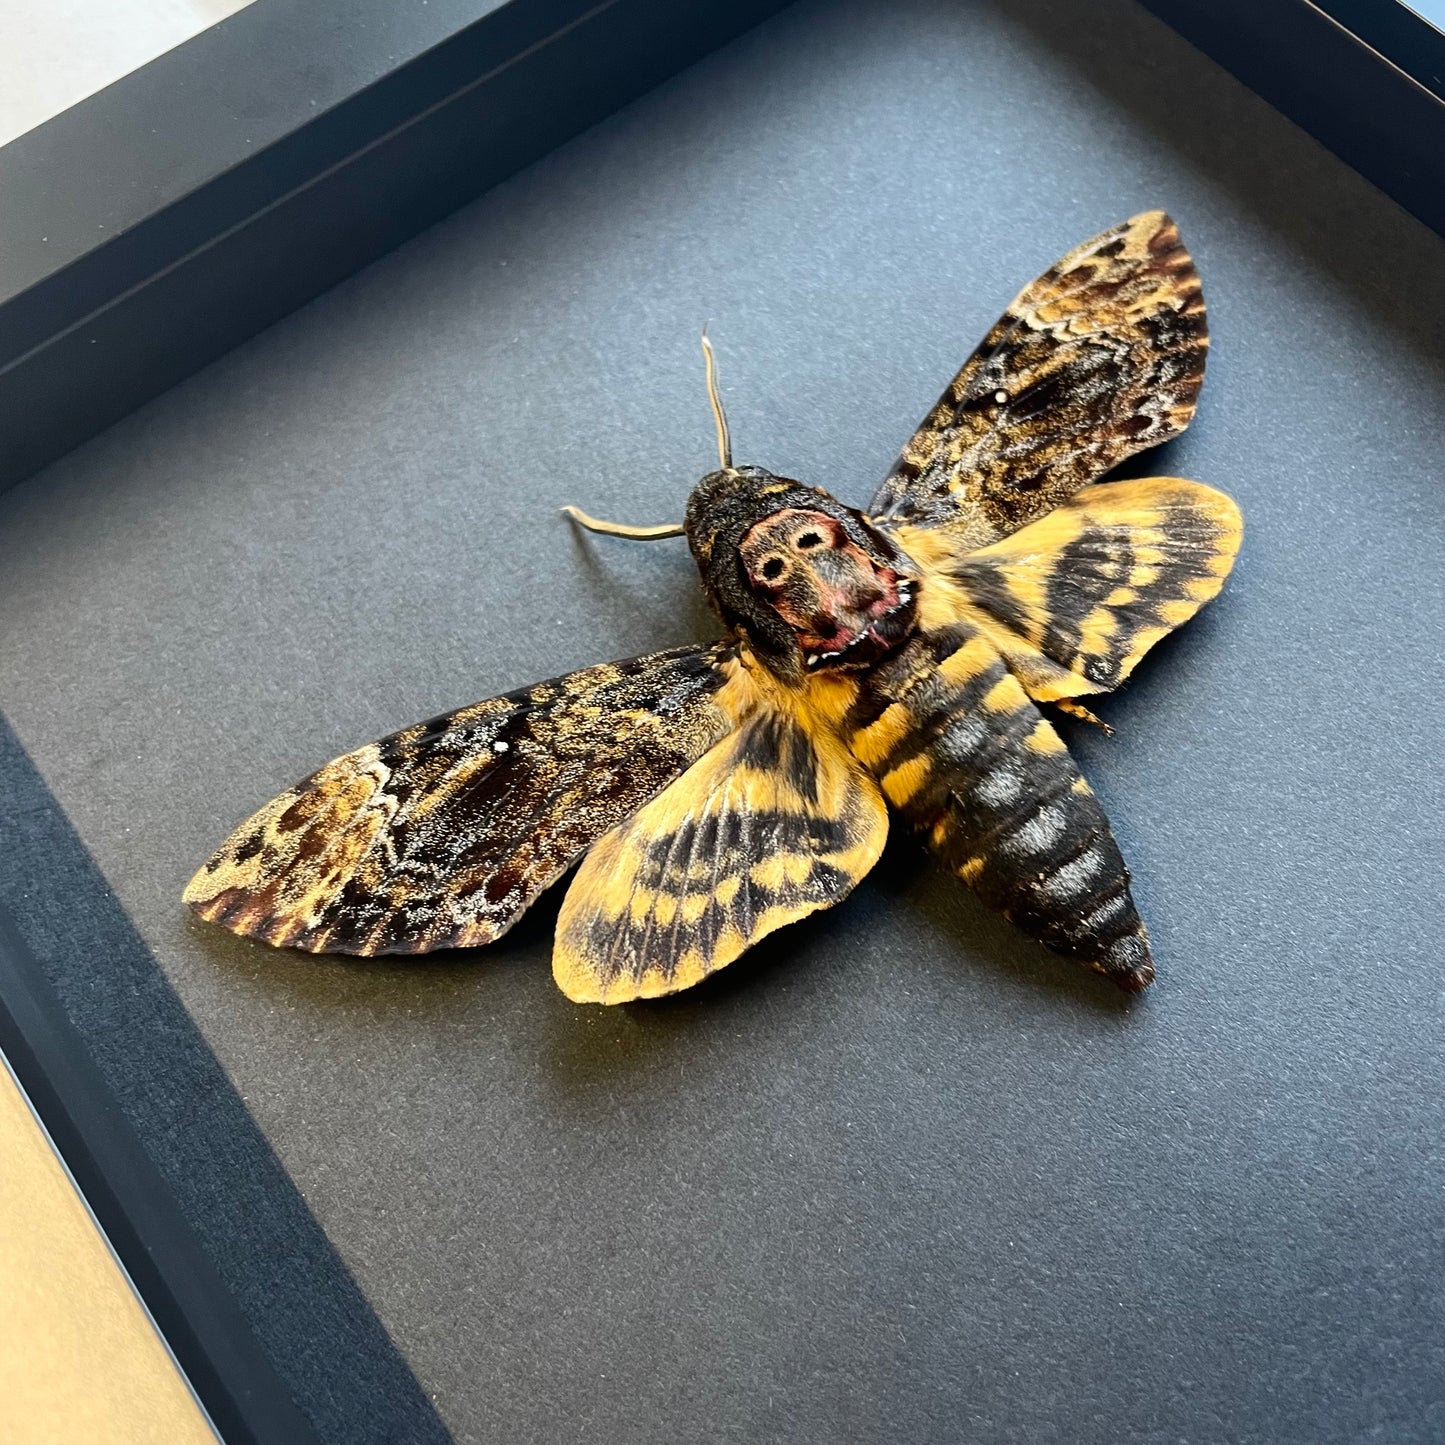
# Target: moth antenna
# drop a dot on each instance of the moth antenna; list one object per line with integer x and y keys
{"x": 719, "y": 416}
{"x": 725, "y": 457}
{"x": 618, "y": 529}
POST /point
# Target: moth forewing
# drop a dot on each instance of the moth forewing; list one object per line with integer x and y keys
{"x": 1101, "y": 357}
{"x": 443, "y": 834}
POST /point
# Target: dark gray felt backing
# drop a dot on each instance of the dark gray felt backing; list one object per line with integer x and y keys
{"x": 898, "y": 1175}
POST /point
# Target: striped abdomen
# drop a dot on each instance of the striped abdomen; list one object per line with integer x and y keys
{"x": 965, "y": 757}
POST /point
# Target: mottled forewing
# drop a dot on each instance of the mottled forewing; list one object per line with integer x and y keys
{"x": 1099, "y": 358}
{"x": 1075, "y": 599}
{"x": 442, "y": 835}
{"x": 774, "y": 823}
{"x": 966, "y": 758}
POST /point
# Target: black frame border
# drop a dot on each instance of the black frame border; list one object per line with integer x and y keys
{"x": 154, "y": 226}
{"x": 157, "y": 224}
{"x": 263, "y": 1316}
{"x": 211, "y": 1340}
{"x": 1366, "y": 78}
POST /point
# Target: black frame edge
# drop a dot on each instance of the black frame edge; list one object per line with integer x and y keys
{"x": 1401, "y": 35}
{"x": 128, "y": 315}
{"x": 247, "y": 1401}
{"x": 1375, "y": 100}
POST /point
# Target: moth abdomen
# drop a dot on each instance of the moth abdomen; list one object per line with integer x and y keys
{"x": 1054, "y": 869}
{"x": 967, "y": 759}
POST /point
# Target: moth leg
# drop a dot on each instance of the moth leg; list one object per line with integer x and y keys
{"x": 1078, "y": 710}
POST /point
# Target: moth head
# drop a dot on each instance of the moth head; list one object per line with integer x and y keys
{"x": 810, "y": 582}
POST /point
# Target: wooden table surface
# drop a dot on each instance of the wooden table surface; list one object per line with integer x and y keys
{"x": 80, "y": 1358}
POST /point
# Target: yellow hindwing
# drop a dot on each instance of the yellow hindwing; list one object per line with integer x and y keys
{"x": 775, "y": 822}
{"x": 1075, "y": 599}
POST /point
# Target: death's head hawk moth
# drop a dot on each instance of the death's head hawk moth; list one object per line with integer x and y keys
{"x": 888, "y": 660}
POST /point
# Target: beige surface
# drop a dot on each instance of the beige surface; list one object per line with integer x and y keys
{"x": 80, "y": 1360}
{"x": 57, "y": 53}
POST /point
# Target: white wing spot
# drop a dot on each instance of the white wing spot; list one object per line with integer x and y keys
{"x": 500, "y": 746}
{"x": 1000, "y": 397}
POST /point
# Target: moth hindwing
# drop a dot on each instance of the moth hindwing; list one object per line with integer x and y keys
{"x": 776, "y": 821}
